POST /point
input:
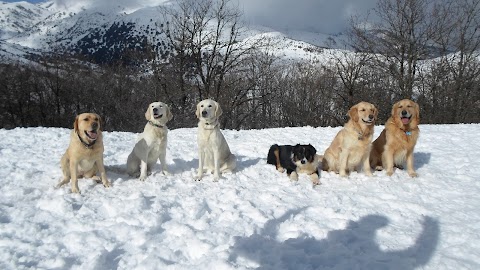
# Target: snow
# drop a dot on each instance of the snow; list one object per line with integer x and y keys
{"x": 252, "y": 218}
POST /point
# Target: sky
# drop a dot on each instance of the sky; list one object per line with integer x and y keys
{"x": 323, "y": 16}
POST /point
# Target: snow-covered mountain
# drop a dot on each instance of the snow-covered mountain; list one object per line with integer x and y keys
{"x": 105, "y": 29}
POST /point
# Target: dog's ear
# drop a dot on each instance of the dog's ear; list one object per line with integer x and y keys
{"x": 100, "y": 122}
{"x": 148, "y": 114}
{"x": 394, "y": 108}
{"x": 375, "y": 113}
{"x": 75, "y": 124}
{"x": 417, "y": 111}
{"x": 197, "y": 112}
{"x": 169, "y": 113}
{"x": 353, "y": 113}
{"x": 218, "y": 110}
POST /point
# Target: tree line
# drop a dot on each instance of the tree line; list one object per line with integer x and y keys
{"x": 424, "y": 50}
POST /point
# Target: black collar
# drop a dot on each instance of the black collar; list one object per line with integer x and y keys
{"x": 155, "y": 125}
{"x": 87, "y": 145}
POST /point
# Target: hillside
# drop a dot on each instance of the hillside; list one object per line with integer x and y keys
{"x": 103, "y": 31}
{"x": 255, "y": 217}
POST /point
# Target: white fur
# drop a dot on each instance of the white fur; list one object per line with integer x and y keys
{"x": 152, "y": 143}
{"x": 213, "y": 151}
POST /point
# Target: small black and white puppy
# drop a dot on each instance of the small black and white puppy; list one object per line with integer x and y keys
{"x": 295, "y": 159}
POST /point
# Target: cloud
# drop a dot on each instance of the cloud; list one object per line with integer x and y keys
{"x": 326, "y": 16}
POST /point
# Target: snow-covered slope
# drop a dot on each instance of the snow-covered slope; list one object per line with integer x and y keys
{"x": 254, "y": 217}
{"x": 104, "y": 29}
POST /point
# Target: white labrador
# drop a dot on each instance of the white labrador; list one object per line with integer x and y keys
{"x": 152, "y": 143}
{"x": 213, "y": 152}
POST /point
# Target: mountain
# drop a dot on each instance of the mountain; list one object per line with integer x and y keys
{"x": 104, "y": 30}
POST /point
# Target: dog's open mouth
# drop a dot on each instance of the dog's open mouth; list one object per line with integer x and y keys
{"x": 157, "y": 116}
{"x": 405, "y": 119}
{"x": 368, "y": 121}
{"x": 92, "y": 135}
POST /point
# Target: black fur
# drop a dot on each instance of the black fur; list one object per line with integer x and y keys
{"x": 289, "y": 154}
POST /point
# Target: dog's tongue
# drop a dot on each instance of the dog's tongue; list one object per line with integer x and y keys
{"x": 92, "y": 135}
{"x": 405, "y": 120}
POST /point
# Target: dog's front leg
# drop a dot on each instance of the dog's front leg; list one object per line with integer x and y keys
{"x": 343, "y": 159}
{"x": 65, "y": 162}
{"x": 162, "y": 159}
{"x": 199, "y": 175}
{"x": 387, "y": 160}
{"x": 366, "y": 166}
{"x": 143, "y": 169}
{"x": 74, "y": 176}
{"x": 410, "y": 169}
{"x": 103, "y": 173}
{"x": 216, "y": 163}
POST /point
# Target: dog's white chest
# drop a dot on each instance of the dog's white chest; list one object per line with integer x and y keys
{"x": 85, "y": 165}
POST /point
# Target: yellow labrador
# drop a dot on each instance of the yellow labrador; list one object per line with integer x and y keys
{"x": 84, "y": 155}
{"x": 351, "y": 147}
{"x": 152, "y": 143}
{"x": 395, "y": 144}
{"x": 213, "y": 151}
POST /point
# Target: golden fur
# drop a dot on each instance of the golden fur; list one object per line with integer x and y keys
{"x": 395, "y": 144}
{"x": 351, "y": 146}
{"x": 84, "y": 155}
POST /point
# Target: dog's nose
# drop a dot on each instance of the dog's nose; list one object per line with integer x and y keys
{"x": 95, "y": 125}
{"x": 155, "y": 110}
{"x": 204, "y": 113}
{"x": 404, "y": 112}
{"x": 370, "y": 116}
{"x": 303, "y": 161}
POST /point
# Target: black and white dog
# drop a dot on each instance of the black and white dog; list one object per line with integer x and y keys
{"x": 295, "y": 159}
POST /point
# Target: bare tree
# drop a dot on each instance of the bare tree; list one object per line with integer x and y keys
{"x": 399, "y": 39}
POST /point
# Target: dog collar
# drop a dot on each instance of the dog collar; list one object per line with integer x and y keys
{"x": 87, "y": 145}
{"x": 155, "y": 125}
{"x": 408, "y": 133}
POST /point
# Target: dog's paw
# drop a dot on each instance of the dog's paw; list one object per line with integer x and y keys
{"x": 343, "y": 174}
{"x": 165, "y": 172}
{"x": 413, "y": 174}
{"x": 75, "y": 190}
{"x": 142, "y": 178}
{"x": 294, "y": 176}
{"x": 281, "y": 169}
{"x": 197, "y": 177}
{"x": 378, "y": 168}
{"x": 389, "y": 172}
{"x": 368, "y": 173}
{"x": 106, "y": 184}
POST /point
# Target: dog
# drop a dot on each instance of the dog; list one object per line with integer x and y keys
{"x": 395, "y": 145}
{"x": 84, "y": 155}
{"x": 213, "y": 152}
{"x": 351, "y": 146}
{"x": 295, "y": 159}
{"x": 151, "y": 145}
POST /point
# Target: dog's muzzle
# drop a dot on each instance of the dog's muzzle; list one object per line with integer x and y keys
{"x": 92, "y": 134}
{"x": 405, "y": 117}
{"x": 204, "y": 113}
{"x": 369, "y": 120}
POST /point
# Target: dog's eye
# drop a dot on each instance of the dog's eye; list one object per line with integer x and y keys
{"x": 362, "y": 110}
{"x": 86, "y": 119}
{"x": 209, "y": 106}
{"x": 400, "y": 106}
{"x": 201, "y": 106}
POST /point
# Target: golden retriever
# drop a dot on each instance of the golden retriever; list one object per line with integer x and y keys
{"x": 213, "y": 151}
{"x": 84, "y": 155}
{"x": 351, "y": 146}
{"x": 152, "y": 143}
{"x": 395, "y": 144}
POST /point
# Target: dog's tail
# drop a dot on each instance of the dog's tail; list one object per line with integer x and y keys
{"x": 119, "y": 169}
{"x": 272, "y": 157}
